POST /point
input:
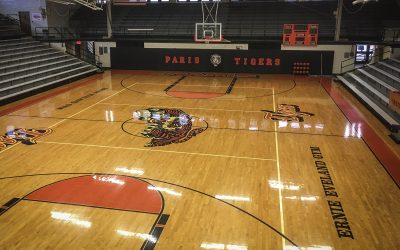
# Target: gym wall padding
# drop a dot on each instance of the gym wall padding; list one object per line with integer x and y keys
{"x": 232, "y": 61}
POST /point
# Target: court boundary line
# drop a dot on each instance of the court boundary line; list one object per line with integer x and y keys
{"x": 220, "y": 128}
{"x": 278, "y": 168}
{"x": 190, "y": 85}
{"x": 158, "y": 150}
{"x": 90, "y": 106}
{"x": 174, "y": 83}
{"x": 169, "y": 183}
{"x": 89, "y": 206}
{"x": 216, "y": 99}
{"x": 57, "y": 123}
{"x": 47, "y": 96}
{"x": 377, "y": 146}
{"x": 161, "y": 106}
{"x": 159, "y": 214}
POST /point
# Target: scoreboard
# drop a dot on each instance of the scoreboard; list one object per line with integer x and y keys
{"x": 300, "y": 34}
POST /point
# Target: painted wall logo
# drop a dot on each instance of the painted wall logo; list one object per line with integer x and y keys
{"x": 215, "y": 60}
{"x": 182, "y": 60}
{"x": 167, "y": 126}
{"x": 286, "y": 112}
{"x": 257, "y": 61}
{"x": 23, "y": 135}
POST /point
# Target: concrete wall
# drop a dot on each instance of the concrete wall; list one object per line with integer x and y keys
{"x": 59, "y": 46}
{"x": 381, "y": 53}
{"x": 105, "y": 58}
{"x": 339, "y": 50}
{"x": 396, "y": 53}
{"x": 33, "y": 6}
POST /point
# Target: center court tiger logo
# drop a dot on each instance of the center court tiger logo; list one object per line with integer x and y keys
{"x": 23, "y": 135}
{"x": 167, "y": 126}
{"x": 286, "y": 112}
{"x": 215, "y": 60}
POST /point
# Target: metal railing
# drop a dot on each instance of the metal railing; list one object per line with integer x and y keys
{"x": 53, "y": 33}
{"x": 84, "y": 54}
{"x": 343, "y": 64}
{"x": 65, "y": 33}
{"x": 13, "y": 17}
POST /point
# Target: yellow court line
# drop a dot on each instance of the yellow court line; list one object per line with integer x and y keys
{"x": 57, "y": 123}
{"x": 278, "y": 167}
{"x": 158, "y": 150}
{"x": 106, "y": 98}
{"x": 140, "y": 105}
{"x": 7, "y": 148}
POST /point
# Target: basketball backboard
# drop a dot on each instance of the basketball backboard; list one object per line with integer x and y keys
{"x": 208, "y": 32}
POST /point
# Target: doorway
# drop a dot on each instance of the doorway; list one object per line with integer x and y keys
{"x": 78, "y": 49}
{"x": 364, "y": 53}
{"x": 25, "y": 22}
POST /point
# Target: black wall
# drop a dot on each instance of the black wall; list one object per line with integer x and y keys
{"x": 234, "y": 61}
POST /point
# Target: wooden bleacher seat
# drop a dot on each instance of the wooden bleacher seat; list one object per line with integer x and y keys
{"x": 385, "y": 85}
{"x": 383, "y": 114}
{"x": 375, "y": 92}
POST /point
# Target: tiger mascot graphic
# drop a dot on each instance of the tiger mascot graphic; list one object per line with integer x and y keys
{"x": 27, "y": 136}
{"x": 167, "y": 126}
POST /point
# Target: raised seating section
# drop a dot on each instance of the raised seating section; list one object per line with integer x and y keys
{"x": 240, "y": 21}
{"x": 382, "y": 112}
{"x": 88, "y": 23}
{"x": 26, "y": 66}
{"x": 386, "y": 76}
{"x": 9, "y": 28}
{"x": 372, "y": 84}
{"x": 394, "y": 71}
{"x": 249, "y": 20}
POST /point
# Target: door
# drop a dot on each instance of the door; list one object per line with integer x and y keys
{"x": 25, "y": 22}
{"x": 78, "y": 49}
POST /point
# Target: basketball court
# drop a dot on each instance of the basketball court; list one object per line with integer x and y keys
{"x": 178, "y": 160}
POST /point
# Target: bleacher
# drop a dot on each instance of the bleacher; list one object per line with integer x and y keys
{"x": 27, "y": 66}
{"x": 166, "y": 20}
{"x": 262, "y": 21}
{"x": 9, "y": 28}
{"x": 372, "y": 85}
{"x": 88, "y": 23}
{"x": 241, "y": 21}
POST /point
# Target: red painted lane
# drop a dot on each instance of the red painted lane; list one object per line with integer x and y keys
{"x": 105, "y": 191}
{"x": 47, "y": 96}
{"x": 382, "y": 151}
{"x": 194, "y": 95}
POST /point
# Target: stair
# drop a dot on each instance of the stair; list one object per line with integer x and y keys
{"x": 28, "y": 66}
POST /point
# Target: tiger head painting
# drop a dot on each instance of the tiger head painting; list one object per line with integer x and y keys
{"x": 167, "y": 126}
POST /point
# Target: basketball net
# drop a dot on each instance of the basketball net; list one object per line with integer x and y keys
{"x": 210, "y": 11}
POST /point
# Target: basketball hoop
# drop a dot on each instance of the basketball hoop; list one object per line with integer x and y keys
{"x": 209, "y": 30}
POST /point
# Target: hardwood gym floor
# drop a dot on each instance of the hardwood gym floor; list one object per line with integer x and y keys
{"x": 166, "y": 160}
